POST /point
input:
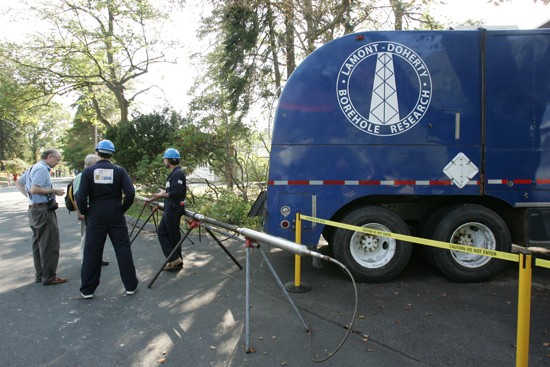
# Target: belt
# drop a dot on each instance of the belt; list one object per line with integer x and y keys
{"x": 36, "y": 205}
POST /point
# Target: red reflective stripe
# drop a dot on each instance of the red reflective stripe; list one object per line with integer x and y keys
{"x": 543, "y": 182}
{"x": 404, "y": 182}
{"x": 298, "y": 182}
{"x": 523, "y": 182}
{"x": 440, "y": 182}
{"x": 334, "y": 182}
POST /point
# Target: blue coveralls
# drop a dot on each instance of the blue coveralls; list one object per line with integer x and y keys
{"x": 99, "y": 198}
{"x": 169, "y": 227}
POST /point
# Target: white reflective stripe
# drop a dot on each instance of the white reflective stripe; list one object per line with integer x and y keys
{"x": 280, "y": 182}
{"x": 390, "y": 183}
{"x": 316, "y": 182}
{"x": 492, "y": 182}
{"x": 352, "y": 182}
{"x": 473, "y": 182}
{"x": 422, "y": 183}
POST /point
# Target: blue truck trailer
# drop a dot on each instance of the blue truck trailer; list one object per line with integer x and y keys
{"x": 440, "y": 134}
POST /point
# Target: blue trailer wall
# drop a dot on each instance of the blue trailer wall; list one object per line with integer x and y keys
{"x": 518, "y": 116}
{"x": 383, "y": 113}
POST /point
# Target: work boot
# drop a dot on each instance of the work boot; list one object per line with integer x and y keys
{"x": 174, "y": 265}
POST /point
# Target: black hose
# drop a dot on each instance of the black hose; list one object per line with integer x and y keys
{"x": 230, "y": 227}
{"x": 350, "y": 328}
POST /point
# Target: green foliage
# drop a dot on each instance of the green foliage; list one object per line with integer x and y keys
{"x": 11, "y": 140}
{"x": 45, "y": 126}
{"x": 240, "y": 35}
{"x": 78, "y": 140}
{"x": 19, "y": 103}
{"x": 15, "y": 165}
{"x": 29, "y": 119}
{"x": 194, "y": 146}
{"x": 151, "y": 174}
{"x": 224, "y": 205}
{"x": 253, "y": 164}
{"x": 211, "y": 115}
{"x": 139, "y": 143}
{"x": 98, "y": 48}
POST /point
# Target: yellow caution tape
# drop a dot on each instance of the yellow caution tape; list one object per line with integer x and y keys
{"x": 423, "y": 241}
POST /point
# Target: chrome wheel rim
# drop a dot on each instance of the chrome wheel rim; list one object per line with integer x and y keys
{"x": 372, "y": 251}
{"x": 476, "y": 235}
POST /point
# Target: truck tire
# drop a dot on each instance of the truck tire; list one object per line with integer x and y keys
{"x": 428, "y": 225}
{"x": 470, "y": 225}
{"x": 328, "y": 235}
{"x": 372, "y": 258}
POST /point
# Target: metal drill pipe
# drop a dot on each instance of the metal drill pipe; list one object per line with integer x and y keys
{"x": 261, "y": 237}
{"x": 278, "y": 242}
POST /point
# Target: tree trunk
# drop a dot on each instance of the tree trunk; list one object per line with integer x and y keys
{"x": 310, "y": 28}
{"x": 2, "y": 143}
{"x": 289, "y": 38}
{"x": 398, "y": 12}
{"x": 116, "y": 88}
{"x": 123, "y": 104}
{"x": 34, "y": 150}
{"x": 273, "y": 47}
{"x": 229, "y": 167}
{"x": 97, "y": 108}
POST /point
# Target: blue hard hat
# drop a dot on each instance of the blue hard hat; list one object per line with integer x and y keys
{"x": 171, "y": 153}
{"x": 105, "y": 146}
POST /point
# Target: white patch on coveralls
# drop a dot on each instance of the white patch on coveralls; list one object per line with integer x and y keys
{"x": 103, "y": 176}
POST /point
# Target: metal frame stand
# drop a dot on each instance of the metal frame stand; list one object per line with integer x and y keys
{"x": 192, "y": 225}
{"x": 249, "y": 244}
{"x": 153, "y": 211}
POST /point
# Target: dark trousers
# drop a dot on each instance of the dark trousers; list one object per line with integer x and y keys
{"x": 103, "y": 220}
{"x": 45, "y": 243}
{"x": 169, "y": 231}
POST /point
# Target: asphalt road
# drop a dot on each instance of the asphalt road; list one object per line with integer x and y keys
{"x": 196, "y": 317}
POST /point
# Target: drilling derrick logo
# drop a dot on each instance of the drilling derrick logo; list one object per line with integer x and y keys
{"x": 384, "y": 88}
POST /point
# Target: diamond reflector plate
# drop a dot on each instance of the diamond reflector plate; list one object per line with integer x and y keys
{"x": 460, "y": 170}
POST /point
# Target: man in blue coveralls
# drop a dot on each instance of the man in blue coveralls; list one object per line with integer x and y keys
{"x": 99, "y": 199}
{"x": 88, "y": 161}
{"x": 174, "y": 208}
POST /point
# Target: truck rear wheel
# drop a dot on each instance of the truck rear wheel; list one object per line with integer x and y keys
{"x": 428, "y": 225}
{"x": 470, "y": 225}
{"x": 369, "y": 257}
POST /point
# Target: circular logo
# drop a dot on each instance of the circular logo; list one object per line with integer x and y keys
{"x": 384, "y": 88}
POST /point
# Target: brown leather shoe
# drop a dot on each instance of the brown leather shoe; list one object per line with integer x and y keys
{"x": 56, "y": 281}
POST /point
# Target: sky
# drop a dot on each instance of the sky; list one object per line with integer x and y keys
{"x": 176, "y": 79}
{"x": 524, "y": 14}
